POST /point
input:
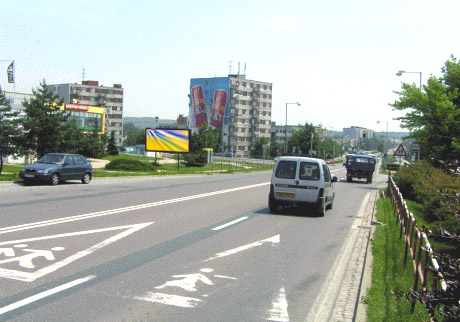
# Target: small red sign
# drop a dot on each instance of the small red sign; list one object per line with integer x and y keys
{"x": 76, "y": 107}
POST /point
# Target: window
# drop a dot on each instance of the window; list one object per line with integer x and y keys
{"x": 327, "y": 174}
{"x": 286, "y": 169}
{"x": 309, "y": 171}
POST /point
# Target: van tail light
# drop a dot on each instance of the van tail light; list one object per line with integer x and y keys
{"x": 321, "y": 193}
{"x": 272, "y": 189}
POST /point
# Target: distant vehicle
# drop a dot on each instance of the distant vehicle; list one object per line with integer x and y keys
{"x": 57, "y": 167}
{"x": 360, "y": 166}
{"x": 330, "y": 161}
{"x": 301, "y": 181}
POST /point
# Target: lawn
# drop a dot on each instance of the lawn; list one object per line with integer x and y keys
{"x": 389, "y": 273}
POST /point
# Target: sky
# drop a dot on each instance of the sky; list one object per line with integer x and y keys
{"x": 337, "y": 58}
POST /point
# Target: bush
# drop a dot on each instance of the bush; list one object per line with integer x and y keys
{"x": 427, "y": 186}
{"x": 129, "y": 165}
{"x": 195, "y": 159}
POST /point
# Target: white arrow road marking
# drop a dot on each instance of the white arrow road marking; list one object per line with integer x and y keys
{"x": 31, "y": 276}
{"x": 121, "y": 210}
{"x": 279, "y": 308}
{"x": 273, "y": 240}
{"x": 174, "y": 300}
{"x": 39, "y": 296}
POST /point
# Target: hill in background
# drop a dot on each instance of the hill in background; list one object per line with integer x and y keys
{"x": 145, "y": 122}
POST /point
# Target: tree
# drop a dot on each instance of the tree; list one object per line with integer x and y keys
{"x": 258, "y": 147}
{"x": 276, "y": 149}
{"x": 433, "y": 115}
{"x": 301, "y": 141}
{"x": 44, "y": 121}
{"x": 73, "y": 140}
{"x": 9, "y": 129}
{"x": 111, "y": 146}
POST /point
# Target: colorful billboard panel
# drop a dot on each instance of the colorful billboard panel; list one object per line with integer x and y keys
{"x": 218, "y": 108}
{"x": 167, "y": 140}
{"x": 199, "y": 108}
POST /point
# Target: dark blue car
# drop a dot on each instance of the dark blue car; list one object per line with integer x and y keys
{"x": 57, "y": 167}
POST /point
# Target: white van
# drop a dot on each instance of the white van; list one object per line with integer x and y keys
{"x": 301, "y": 180}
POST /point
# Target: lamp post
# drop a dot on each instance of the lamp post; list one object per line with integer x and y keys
{"x": 285, "y": 127}
{"x": 386, "y": 138}
{"x": 404, "y": 72}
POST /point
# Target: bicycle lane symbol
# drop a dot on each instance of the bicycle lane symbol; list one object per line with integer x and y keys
{"x": 26, "y": 261}
{"x": 20, "y": 261}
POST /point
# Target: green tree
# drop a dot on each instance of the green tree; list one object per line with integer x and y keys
{"x": 258, "y": 147}
{"x": 73, "y": 140}
{"x": 433, "y": 115}
{"x": 276, "y": 149}
{"x": 44, "y": 121}
{"x": 111, "y": 145}
{"x": 301, "y": 141}
{"x": 9, "y": 129}
{"x": 95, "y": 143}
{"x": 134, "y": 135}
{"x": 205, "y": 137}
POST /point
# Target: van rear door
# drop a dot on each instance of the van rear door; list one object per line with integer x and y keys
{"x": 309, "y": 182}
{"x": 285, "y": 183}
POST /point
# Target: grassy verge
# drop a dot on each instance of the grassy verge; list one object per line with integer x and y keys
{"x": 10, "y": 173}
{"x": 389, "y": 273}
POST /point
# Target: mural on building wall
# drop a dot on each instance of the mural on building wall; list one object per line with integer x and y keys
{"x": 209, "y": 103}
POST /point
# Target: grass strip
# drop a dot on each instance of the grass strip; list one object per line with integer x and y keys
{"x": 389, "y": 273}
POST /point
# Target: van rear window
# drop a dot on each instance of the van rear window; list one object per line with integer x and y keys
{"x": 286, "y": 169}
{"x": 309, "y": 171}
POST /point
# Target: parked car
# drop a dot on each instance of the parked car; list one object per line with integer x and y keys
{"x": 301, "y": 181}
{"x": 57, "y": 167}
{"x": 330, "y": 161}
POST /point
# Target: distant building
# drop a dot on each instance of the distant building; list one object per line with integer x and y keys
{"x": 16, "y": 99}
{"x": 356, "y": 133}
{"x": 278, "y": 132}
{"x": 92, "y": 94}
{"x": 241, "y": 108}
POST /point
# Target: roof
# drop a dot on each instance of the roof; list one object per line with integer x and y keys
{"x": 298, "y": 158}
{"x": 363, "y": 156}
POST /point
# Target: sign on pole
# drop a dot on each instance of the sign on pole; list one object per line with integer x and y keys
{"x": 400, "y": 151}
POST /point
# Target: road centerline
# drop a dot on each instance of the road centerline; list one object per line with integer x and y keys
{"x": 230, "y": 223}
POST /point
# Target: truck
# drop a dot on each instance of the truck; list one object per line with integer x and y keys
{"x": 360, "y": 166}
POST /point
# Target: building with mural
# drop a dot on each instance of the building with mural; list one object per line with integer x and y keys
{"x": 241, "y": 108}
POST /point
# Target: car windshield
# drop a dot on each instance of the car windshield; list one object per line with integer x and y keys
{"x": 52, "y": 158}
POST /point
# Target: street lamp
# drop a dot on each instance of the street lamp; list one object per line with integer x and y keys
{"x": 285, "y": 127}
{"x": 386, "y": 138}
{"x": 402, "y": 72}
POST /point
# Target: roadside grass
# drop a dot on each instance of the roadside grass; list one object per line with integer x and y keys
{"x": 10, "y": 172}
{"x": 389, "y": 272}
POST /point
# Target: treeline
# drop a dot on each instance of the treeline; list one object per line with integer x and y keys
{"x": 45, "y": 128}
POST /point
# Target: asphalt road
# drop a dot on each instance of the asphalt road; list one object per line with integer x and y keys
{"x": 184, "y": 248}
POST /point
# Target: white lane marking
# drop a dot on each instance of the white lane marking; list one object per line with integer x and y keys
{"x": 230, "y": 223}
{"x": 279, "y": 310}
{"x": 174, "y": 300}
{"x": 31, "y": 276}
{"x": 273, "y": 240}
{"x": 42, "y": 295}
{"x": 125, "y": 209}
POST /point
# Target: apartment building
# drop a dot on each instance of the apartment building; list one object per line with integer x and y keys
{"x": 92, "y": 94}
{"x": 241, "y": 108}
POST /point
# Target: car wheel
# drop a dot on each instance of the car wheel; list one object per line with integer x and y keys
{"x": 369, "y": 179}
{"x": 322, "y": 209}
{"x": 272, "y": 205}
{"x": 54, "y": 179}
{"x": 86, "y": 178}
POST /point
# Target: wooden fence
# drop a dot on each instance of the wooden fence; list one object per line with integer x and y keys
{"x": 416, "y": 243}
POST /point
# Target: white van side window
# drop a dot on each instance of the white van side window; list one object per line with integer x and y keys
{"x": 327, "y": 174}
{"x": 286, "y": 169}
{"x": 309, "y": 171}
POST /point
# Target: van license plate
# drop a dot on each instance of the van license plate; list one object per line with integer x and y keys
{"x": 284, "y": 195}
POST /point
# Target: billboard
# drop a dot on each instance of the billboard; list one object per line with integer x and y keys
{"x": 167, "y": 140}
{"x": 209, "y": 101}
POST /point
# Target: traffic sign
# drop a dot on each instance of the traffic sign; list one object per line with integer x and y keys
{"x": 400, "y": 151}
